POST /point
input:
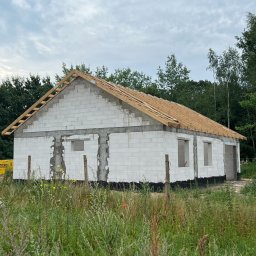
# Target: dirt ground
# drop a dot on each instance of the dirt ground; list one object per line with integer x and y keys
{"x": 237, "y": 185}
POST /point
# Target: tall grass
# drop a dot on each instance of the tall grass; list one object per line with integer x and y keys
{"x": 250, "y": 188}
{"x": 66, "y": 219}
{"x": 248, "y": 170}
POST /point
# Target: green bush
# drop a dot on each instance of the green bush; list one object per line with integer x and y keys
{"x": 250, "y": 189}
{"x": 8, "y": 175}
{"x": 248, "y": 170}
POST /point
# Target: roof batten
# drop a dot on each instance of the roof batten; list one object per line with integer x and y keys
{"x": 168, "y": 113}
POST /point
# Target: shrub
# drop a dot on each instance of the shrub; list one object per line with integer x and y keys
{"x": 248, "y": 170}
{"x": 250, "y": 189}
{"x": 8, "y": 175}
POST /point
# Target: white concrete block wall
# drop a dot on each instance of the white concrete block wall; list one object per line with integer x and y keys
{"x": 81, "y": 107}
{"x": 74, "y": 159}
{"x": 136, "y": 157}
{"x": 182, "y": 173}
{"x": 133, "y": 157}
{"x": 39, "y": 148}
{"x": 217, "y": 166}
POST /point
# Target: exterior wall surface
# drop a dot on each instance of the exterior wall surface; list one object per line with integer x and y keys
{"x": 216, "y": 168}
{"x": 133, "y": 157}
{"x": 140, "y": 156}
{"x": 39, "y": 149}
{"x": 74, "y": 159}
{"x": 82, "y": 106}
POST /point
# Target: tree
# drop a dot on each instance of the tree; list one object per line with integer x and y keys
{"x": 227, "y": 71}
{"x": 102, "y": 72}
{"x": 249, "y": 127}
{"x": 16, "y": 95}
{"x": 213, "y": 60}
{"x": 196, "y": 95}
{"x": 172, "y": 74}
{"x": 66, "y": 70}
{"x": 247, "y": 43}
{"x": 128, "y": 78}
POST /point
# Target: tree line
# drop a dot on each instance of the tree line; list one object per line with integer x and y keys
{"x": 230, "y": 99}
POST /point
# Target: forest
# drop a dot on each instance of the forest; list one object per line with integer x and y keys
{"x": 229, "y": 99}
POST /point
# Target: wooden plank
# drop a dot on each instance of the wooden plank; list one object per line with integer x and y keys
{"x": 29, "y": 168}
{"x": 35, "y": 109}
{"x": 35, "y": 104}
{"x": 151, "y": 106}
{"x": 21, "y": 121}
{"x": 167, "y": 178}
{"x": 85, "y": 171}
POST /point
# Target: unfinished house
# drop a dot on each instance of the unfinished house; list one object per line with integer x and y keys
{"x": 86, "y": 127}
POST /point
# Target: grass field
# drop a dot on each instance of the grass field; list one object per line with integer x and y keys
{"x": 66, "y": 219}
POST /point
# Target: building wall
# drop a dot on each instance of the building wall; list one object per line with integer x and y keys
{"x": 131, "y": 156}
{"x": 217, "y": 166}
{"x": 39, "y": 148}
{"x": 141, "y": 157}
{"x": 82, "y": 106}
{"x": 74, "y": 159}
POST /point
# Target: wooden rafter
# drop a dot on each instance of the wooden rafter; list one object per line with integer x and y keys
{"x": 168, "y": 113}
{"x": 38, "y": 105}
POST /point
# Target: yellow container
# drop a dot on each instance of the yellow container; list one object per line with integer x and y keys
{"x": 6, "y": 165}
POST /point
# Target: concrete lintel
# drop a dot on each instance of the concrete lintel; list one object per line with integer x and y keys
{"x": 143, "y": 128}
{"x": 109, "y": 130}
{"x": 203, "y": 134}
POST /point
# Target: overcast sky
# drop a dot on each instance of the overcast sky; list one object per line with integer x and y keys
{"x": 36, "y": 36}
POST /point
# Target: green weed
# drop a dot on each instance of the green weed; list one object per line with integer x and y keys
{"x": 248, "y": 170}
{"x": 61, "y": 218}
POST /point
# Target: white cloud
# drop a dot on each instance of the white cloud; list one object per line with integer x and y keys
{"x": 71, "y": 13}
{"x": 22, "y": 4}
{"x": 2, "y": 25}
{"x": 119, "y": 33}
{"x": 40, "y": 46}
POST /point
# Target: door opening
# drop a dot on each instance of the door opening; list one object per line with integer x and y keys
{"x": 230, "y": 162}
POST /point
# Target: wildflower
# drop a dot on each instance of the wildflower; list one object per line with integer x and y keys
{"x": 124, "y": 204}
